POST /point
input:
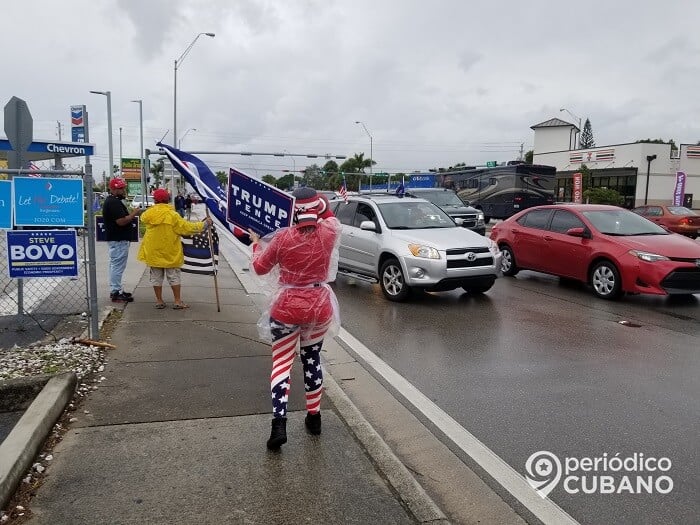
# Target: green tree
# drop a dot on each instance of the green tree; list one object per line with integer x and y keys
{"x": 660, "y": 141}
{"x": 157, "y": 170}
{"x": 600, "y": 195}
{"x": 330, "y": 167}
{"x": 314, "y": 177}
{"x": 286, "y": 182}
{"x": 269, "y": 179}
{"x": 222, "y": 177}
{"x": 353, "y": 168}
{"x": 529, "y": 156}
{"x": 586, "y": 175}
{"x": 586, "y": 140}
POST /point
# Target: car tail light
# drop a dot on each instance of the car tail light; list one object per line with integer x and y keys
{"x": 685, "y": 220}
{"x": 518, "y": 199}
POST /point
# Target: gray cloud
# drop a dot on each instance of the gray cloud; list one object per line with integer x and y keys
{"x": 435, "y": 83}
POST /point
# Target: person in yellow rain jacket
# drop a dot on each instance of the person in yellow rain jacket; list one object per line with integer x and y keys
{"x": 161, "y": 248}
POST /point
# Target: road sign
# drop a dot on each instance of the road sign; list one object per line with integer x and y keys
{"x": 42, "y": 253}
{"x": 491, "y": 164}
{"x": 19, "y": 128}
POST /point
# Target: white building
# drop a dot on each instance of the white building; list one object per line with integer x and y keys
{"x": 641, "y": 172}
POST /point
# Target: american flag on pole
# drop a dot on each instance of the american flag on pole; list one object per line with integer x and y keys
{"x": 32, "y": 167}
{"x": 344, "y": 191}
{"x": 203, "y": 180}
{"x": 199, "y": 258}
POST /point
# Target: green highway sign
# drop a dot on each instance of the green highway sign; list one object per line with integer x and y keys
{"x": 491, "y": 164}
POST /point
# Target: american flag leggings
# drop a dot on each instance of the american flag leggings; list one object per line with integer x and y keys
{"x": 284, "y": 340}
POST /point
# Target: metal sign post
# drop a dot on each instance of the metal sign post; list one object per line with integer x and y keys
{"x": 19, "y": 128}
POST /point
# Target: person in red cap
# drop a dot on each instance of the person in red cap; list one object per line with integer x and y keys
{"x": 161, "y": 248}
{"x": 303, "y": 308}
{"x": 118, "y": 231}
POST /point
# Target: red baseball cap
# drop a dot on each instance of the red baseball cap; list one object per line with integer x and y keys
{"x": 161, "y": 195}
{"x": 117, "y": 184}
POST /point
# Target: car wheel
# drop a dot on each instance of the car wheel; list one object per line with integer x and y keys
{"x": 487, "y": 219}
{"x": 508, "y": 266}
{"x": 479, "y": 288}
{"x": 606, "y": 281}
{"x": 392, "y": 282}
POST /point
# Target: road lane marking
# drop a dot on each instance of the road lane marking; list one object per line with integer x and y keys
{"x": 511, "y": 480}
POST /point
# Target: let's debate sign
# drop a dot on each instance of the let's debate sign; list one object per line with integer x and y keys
{"x": 42, "y": 253}
{"x": 48, "y": 202}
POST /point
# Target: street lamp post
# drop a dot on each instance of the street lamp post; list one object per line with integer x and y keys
{"x": 177, "y": 64}
{"x": 371, "y": 160}
{"x": 144, "y": 184}
{"x": 646, "y": 190}
{"x": 108, "y": 94}
{"x": 179, "y": 142}
{"x": 578, "y": 135}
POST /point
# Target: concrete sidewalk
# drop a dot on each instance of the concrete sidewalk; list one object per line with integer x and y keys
{"x": 176, "y": 433}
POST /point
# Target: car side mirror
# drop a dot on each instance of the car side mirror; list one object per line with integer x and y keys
{"x": 368, "y": 225}
{"x": 459, "y": 221}
{"x": 579, "y": 232}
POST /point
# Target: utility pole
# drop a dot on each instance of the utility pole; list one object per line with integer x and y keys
{"x": 120, "y": 153}
{"x": 58, "y": 162}
{"x": 522, "y": 144}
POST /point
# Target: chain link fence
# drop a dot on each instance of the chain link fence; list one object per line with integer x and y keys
{"x": 43, "y": 303}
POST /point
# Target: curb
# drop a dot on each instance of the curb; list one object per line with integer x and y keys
{"x": 27, "y": 437}
{"x": 409, "y": 491}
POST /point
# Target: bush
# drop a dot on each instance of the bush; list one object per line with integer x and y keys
{"x": 603, "y": 196}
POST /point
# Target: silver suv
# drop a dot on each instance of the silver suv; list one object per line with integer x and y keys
{"x": 406, "y": 243}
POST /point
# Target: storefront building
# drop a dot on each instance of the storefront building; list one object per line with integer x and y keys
{"x": 640, "y": 172}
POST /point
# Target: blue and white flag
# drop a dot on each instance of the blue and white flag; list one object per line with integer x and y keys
{"x": 207, "y": 186}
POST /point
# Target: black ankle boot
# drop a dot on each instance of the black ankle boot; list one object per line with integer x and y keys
{"x": 313, "y": 423}
{"x": 278, "y": 435}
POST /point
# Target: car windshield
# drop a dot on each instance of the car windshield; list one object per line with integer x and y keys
{"x": 414, "y": 215}
{"x": 680, "y": 210}
{"x": 441, "y": 198}
{"x": 622, "y": 222}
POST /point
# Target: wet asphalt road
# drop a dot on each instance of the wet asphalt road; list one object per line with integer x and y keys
{"x": 539, "y": 364}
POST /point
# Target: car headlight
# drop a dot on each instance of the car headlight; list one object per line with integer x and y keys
{"x": 425, "y": 252}
{"x": 493, "y": 248}
{"x": 480, "y": 218}
{"x": 648, "y": 257}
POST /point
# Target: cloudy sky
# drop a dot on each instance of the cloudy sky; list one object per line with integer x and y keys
{"x": 435, "y": 82}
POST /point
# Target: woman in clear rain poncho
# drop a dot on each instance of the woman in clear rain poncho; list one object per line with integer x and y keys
{"x": 303, "y": 307}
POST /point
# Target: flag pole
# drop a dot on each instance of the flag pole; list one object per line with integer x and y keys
{"x": 213, "y": 263}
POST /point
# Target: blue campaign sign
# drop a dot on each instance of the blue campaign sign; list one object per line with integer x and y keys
{"x": 101, "y": 234}
{"x": 257, "y": 205}
{"x": 5, "y": 204}
{"x": 42, "y": 253}
{"x": 48, "y": 202}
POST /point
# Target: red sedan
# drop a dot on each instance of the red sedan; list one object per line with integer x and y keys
{"x": 612, "y": 249}
{"x": 678, "y": 219}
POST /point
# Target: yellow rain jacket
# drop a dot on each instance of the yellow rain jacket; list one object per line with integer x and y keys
{"x": 161, "y": 246}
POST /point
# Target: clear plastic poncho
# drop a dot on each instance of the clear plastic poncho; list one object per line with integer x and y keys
{"x": 294, "y": 266}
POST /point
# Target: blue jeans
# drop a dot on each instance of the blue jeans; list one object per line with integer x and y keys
{"x": 118, "y": 255}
